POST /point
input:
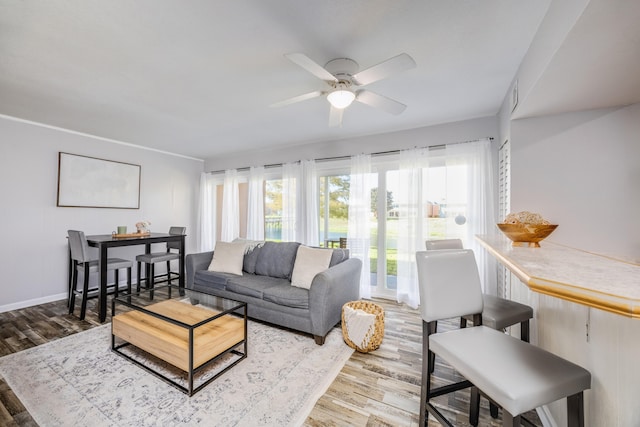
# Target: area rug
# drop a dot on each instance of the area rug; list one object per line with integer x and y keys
{"x": 78, "y": 380}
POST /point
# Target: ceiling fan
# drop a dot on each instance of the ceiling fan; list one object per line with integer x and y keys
{"x": 342, "y": 77}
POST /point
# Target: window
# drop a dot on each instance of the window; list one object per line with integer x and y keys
{"x": 333, "y": 209}
{"x": 441, "y": 206}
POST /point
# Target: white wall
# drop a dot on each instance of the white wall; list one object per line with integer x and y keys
{"x": 582, "y": 171}
{"x": 421, "y": 137}
{"x": 33, "y": 256}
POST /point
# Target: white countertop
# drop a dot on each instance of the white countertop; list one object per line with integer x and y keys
{"x": 571, "y": 274}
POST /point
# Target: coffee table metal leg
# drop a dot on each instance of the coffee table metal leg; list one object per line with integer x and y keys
{"x": 190, "y": 373}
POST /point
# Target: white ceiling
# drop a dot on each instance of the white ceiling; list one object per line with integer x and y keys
{"x": 597, "y": 65}
{"x": 197, "y": 77}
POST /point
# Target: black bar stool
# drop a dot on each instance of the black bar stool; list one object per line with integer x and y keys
{"x": 82, "y": 262}
{"x": 167, "y": 256}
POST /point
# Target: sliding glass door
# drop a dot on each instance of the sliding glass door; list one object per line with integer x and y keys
{"x": 452, "y": 198}
{"x": 444, "y": 214}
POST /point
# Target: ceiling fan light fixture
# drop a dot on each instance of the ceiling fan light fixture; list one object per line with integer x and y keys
{"x": 341, "y": 98}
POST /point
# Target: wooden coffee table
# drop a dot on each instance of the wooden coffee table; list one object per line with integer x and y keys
{"x": 164, "y": 323}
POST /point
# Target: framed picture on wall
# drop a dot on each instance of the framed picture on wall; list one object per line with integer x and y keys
{"x": 90, "y": 182}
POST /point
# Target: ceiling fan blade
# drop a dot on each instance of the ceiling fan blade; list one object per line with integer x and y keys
{"x": 335, "y": 117}
{"x": 391, "y": 66}
{"x": 308, "y": 64}
{"x": 298, "y": 98}
{"x": 378, "y": 101}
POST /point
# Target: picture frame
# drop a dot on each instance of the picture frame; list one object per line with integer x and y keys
{"x": 91, "y": 182}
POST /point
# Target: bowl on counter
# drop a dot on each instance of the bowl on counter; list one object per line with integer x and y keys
{"x": 527, "y": 234}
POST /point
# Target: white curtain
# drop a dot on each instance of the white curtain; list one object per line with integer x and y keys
{"x": 358, "y": 233}
{"x": 230, "y": 207}
{"x": 300, "y": 203}
{"x": 469, "y": 194}
{"x": 255, "y": 205}
{"x": 291, "y": 176}
{"x": 307, "y": 230}
{"x": 412, "y": 227}
{"x": 480, "y": 200}
{"x": 207, "y": 214}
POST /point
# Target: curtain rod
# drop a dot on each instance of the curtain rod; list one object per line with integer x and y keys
{"x": 378, "y": 153}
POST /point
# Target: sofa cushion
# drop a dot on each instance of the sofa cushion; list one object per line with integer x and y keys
{"x": 309, "y": 262}
{"x": 287, "y": 295}
{"x": 253, "y": 285}
{"x": 213, "y": 279}
{"x": 228, "y": 258}
{"x": 276, "y": 259}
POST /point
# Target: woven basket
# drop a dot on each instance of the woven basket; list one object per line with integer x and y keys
{"x": 375, "y": 333}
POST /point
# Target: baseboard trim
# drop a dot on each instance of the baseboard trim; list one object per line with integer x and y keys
{"x": 50, "y": 298}
{"x": 32, "y": 302}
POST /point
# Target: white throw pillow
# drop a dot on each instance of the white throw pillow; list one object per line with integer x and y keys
{"x": 309, "y": 262}
{"x": 228, "y": 258}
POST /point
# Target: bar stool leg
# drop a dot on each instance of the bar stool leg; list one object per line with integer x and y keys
{"x": 139, "y": 277}
{"x": 426, "y": 374}
{"x": 85, "y": 291}
{"x": 169, "y": 272}
{"x": 524, "y": 331}
{"x": 575, "y": 410}
{"x": 72, "y": 295}
{"x": 509, "y": 420}
{"x": 474, "y": 402}
{"x": 493, "y": 410}
{"x": 148, "y": 270}
{"x": 150, "y": 278}
{"x": 432, "y": 356}
{"x": 151, "y": 282}
{"x": 73, "y": 273}
{"x": 116, "y": 277}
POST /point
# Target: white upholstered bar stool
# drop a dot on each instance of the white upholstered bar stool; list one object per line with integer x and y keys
{"x": 513, "y": 374}
{"x": 152, "y": 258}
{"x": 498, "y": 313}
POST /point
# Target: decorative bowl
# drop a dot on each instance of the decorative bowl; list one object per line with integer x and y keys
{"x": 527, "y": 234}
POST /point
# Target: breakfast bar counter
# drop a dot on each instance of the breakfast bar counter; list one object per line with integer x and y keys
{"x": 571, "y": 274}
{"x": 586, "y": 309}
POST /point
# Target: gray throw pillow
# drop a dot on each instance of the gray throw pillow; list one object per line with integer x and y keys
{"x": 251, "y": 258}
{"x": 250, "y": 254}
{"x": 338, "y": 256}
{"x": 276, "y": 259}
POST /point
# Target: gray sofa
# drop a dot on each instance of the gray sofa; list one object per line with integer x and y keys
{"x": 265, "y": 285}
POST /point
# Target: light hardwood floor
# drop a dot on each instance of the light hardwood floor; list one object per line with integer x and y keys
{"x": 380, "y": 388}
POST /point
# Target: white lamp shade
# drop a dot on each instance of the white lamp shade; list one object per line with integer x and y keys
{"x": 341, "y": 98}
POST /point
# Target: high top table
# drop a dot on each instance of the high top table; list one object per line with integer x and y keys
{"x": 105, "y": 241}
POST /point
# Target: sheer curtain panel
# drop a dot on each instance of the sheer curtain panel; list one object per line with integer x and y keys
{"x": 207, "y": 214}
{"x": 307, "y": 210}
{"x": 255, "y": 206}
{"x": 291, "y": 178}
{"x": 469, "y": 192}
{"x": 480, "y": 199}
{"x": 358, "y": 233}
{"x": 230, "y": 207}
{"x": 412, "y": 227}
